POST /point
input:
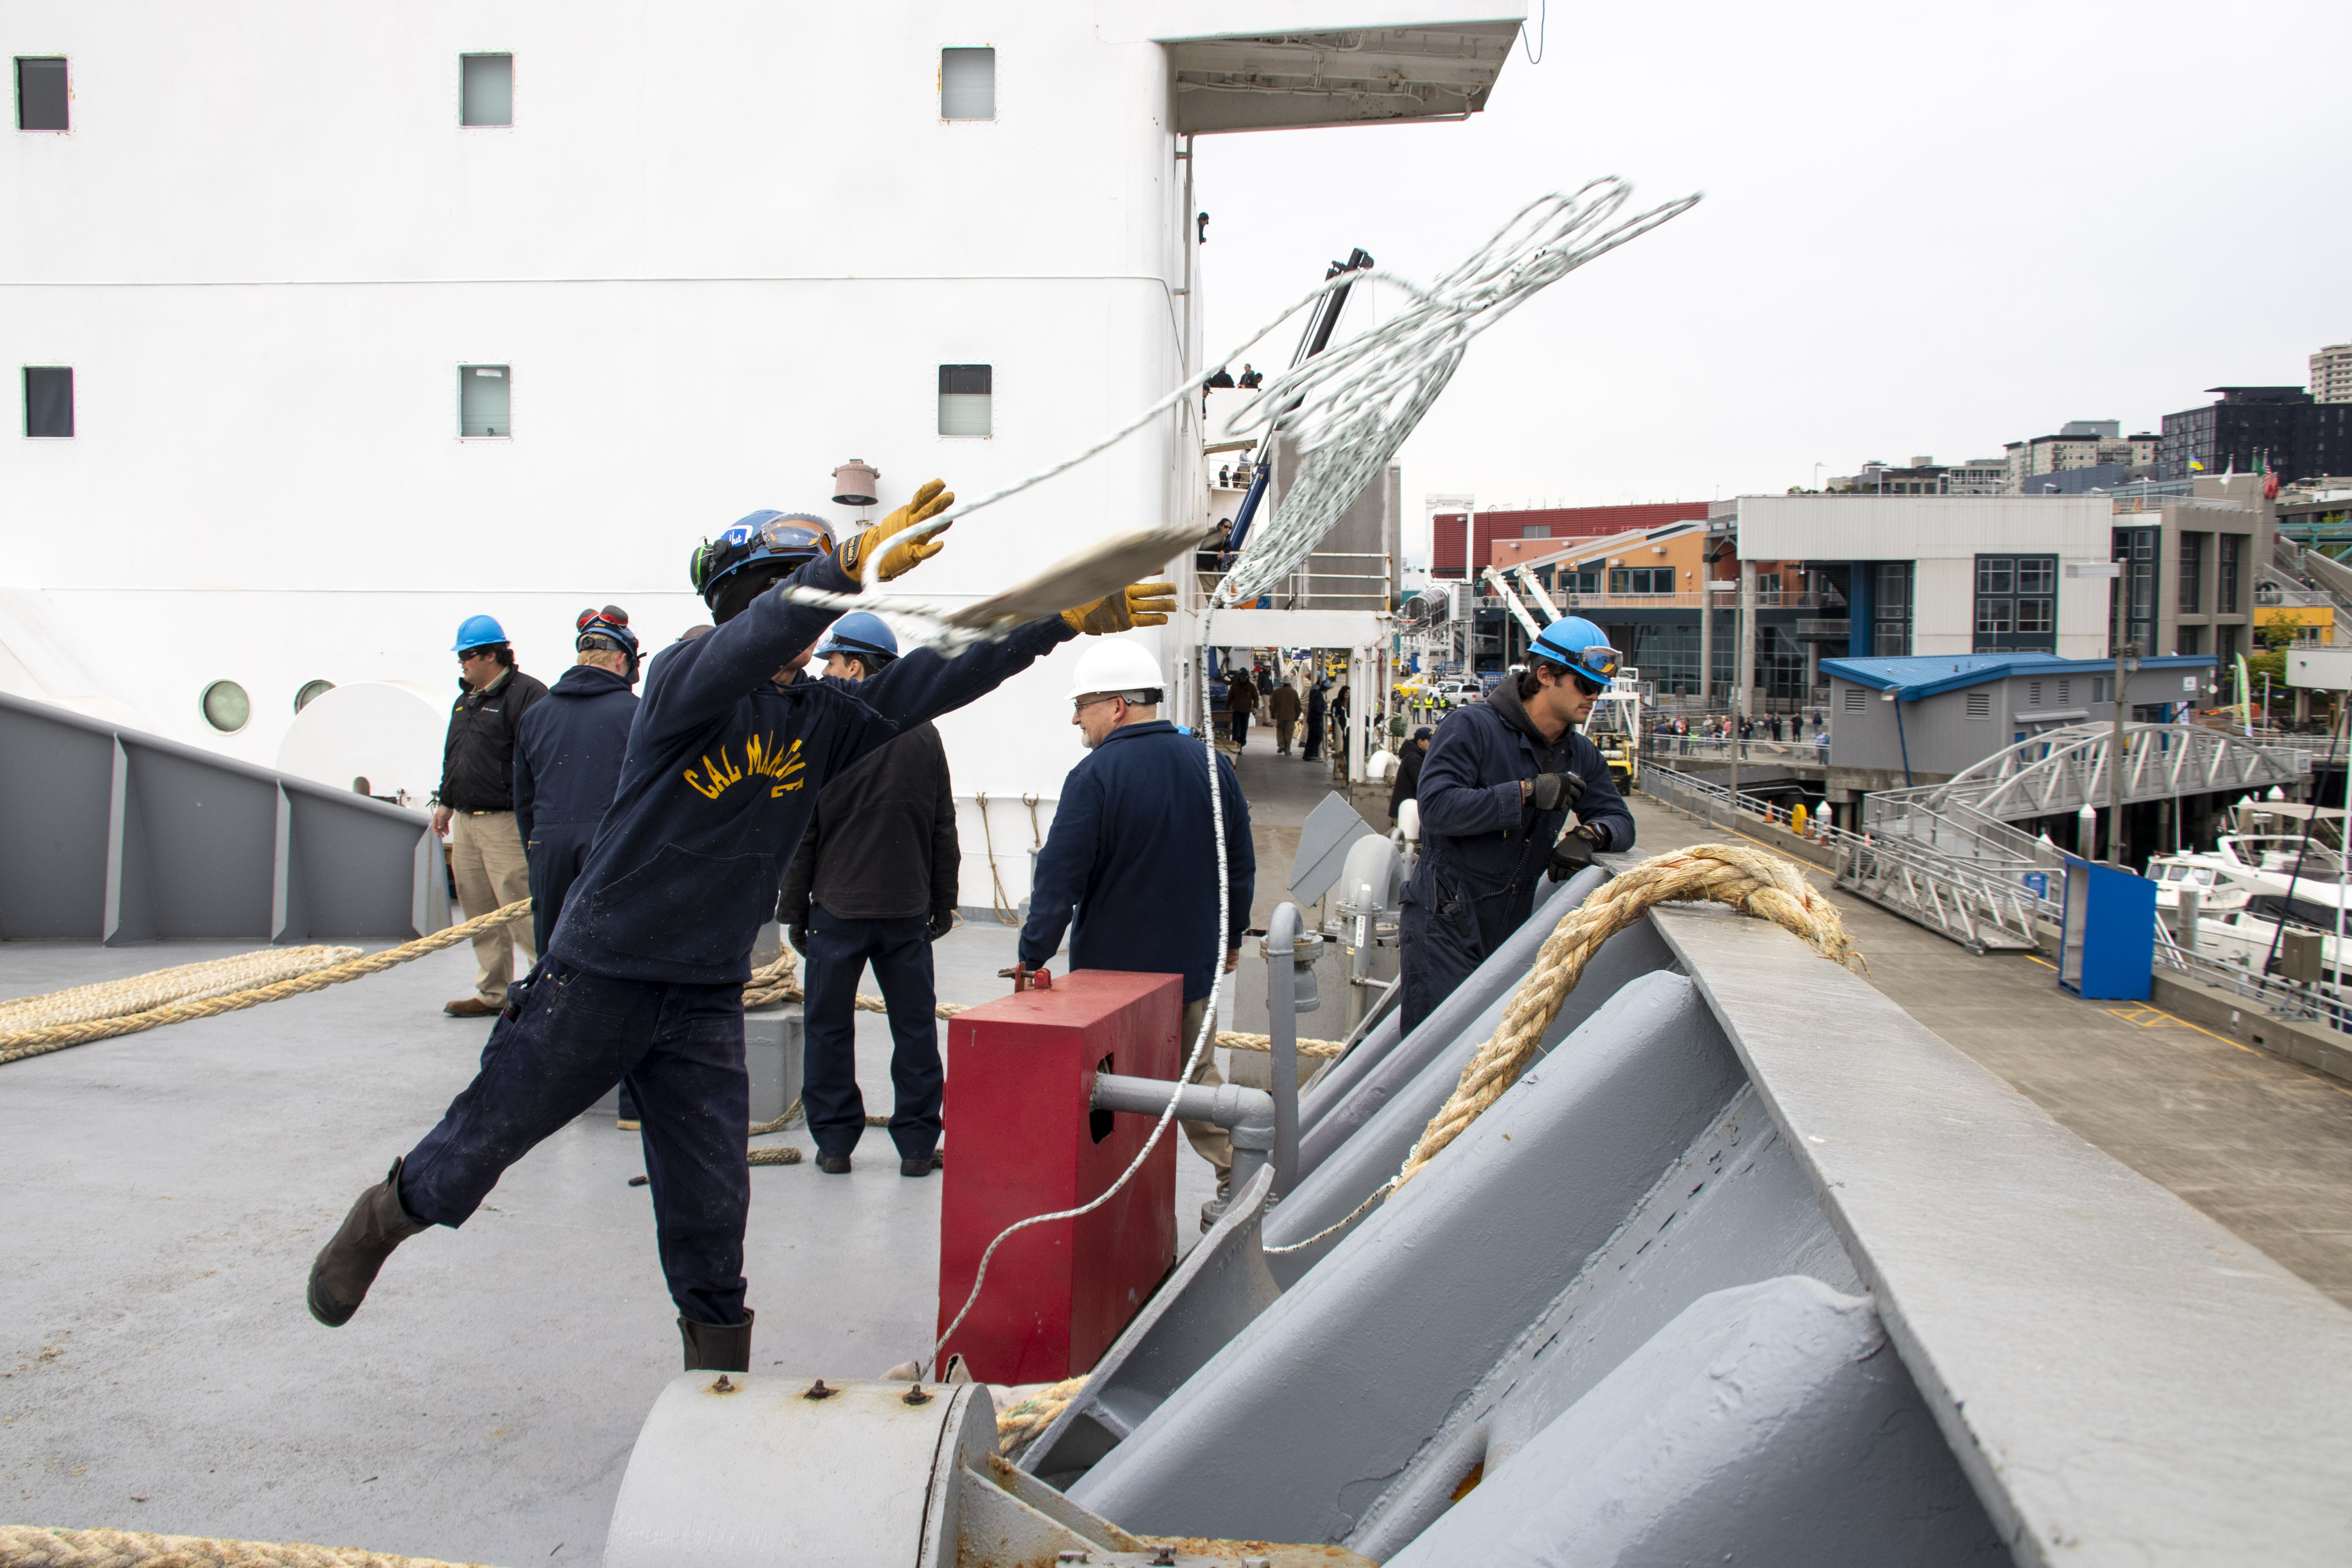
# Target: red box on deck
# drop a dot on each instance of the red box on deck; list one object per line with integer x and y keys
{"x": 1020, "y": 1075}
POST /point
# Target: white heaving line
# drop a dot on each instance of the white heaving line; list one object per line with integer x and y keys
{"x": 1347, "y": 409}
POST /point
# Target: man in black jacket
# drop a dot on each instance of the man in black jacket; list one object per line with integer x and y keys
{"x": 1407, "y": 778}
{"x": 567, "y": 760}
{"x": 645, "y": 977}
{"x": 874, "y": 881}
{"x": 474, "y": 807}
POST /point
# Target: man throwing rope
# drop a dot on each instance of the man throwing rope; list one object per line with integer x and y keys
{"x": 1498, "y": 783}
{"x": 645, "y": 974}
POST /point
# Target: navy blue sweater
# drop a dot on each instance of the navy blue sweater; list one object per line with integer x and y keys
{"x": 722, "y": 773}
{"x": 568, "y": 750}
{"x": 1133, "y": 851}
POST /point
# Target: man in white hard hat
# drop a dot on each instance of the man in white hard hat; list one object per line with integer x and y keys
{"x": 1133, "y": 854}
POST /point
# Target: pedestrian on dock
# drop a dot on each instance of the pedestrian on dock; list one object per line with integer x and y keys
{"x": 727, "y": 756}
{"x": 1284, "y": 706}
{"x": 1124, "y": 859}
{"x": 1409, "y": 765}
{"x": 1311, "y": 744}
{"x": 1241, "y": 700}
{"x": 1493, "y": 798}
{"x": 874, "y": 882}
{"x": 474, "y": 807}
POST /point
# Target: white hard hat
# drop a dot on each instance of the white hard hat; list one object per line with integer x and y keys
{"x": 1112, "y": 664}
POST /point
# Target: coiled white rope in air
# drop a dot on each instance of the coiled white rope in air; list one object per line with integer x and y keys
{"x": 1349, "y": 408}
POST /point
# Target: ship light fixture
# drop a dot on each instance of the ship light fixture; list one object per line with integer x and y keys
{"x": 855, "y": 483}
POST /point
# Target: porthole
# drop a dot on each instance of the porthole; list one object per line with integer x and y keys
{"x": 226, "y": 707}
{"x": 311, "y": 690}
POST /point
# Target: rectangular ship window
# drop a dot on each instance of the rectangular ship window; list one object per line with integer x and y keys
{"x": 41, "y": 98}
{"x": 966, "y": 394}
{"x": 486, "y": 89}
{"x": 49, "y": 400}
{"x": 967, "y": 84}
{"x": 485, "y": 397}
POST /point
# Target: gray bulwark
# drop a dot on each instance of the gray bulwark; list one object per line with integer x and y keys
{"x": 1768, "y": 1426}
{"x": 1298, "y": 1425}
{"x": 2122, "y": 1380}
{"x": 111, "y": 834}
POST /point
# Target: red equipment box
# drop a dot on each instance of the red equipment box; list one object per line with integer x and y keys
{"x": 1020, "y": 1075}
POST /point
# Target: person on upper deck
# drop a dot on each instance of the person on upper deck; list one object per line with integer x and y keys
{"x": 1495, "y": 791}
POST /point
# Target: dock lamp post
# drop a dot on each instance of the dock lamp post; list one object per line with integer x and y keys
{"x": 2126, "y": 665}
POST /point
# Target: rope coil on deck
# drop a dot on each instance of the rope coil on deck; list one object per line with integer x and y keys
{"x": 29, "y": 1546}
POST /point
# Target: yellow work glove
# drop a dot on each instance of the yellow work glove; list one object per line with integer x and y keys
{"x": 897, "y": 561}
{"x": 1137, "y": 604}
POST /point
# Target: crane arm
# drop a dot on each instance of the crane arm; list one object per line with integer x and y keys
{"x": 1535, "y": 588}
{"x": 1511, "y": 602}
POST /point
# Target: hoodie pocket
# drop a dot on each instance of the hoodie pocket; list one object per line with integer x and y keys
{"x": 697, "y": 908}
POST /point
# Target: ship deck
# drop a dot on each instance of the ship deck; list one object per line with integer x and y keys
{"x": 165, "y": 1191}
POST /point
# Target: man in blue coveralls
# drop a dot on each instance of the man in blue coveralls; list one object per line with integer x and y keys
{"x": 1131, "y": 852}
{"x": 1499, "y": 780}
{"x": 647, "y": 975}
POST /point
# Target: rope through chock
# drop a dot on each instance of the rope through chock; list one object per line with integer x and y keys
{"x": 28, "y": 1546}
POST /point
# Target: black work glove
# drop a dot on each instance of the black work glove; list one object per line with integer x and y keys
{"x": 942, "y": 921}
{"x": 1573, "y": 853}
{"x": 797, "y": 934}
{"x": 1548, "y": 791}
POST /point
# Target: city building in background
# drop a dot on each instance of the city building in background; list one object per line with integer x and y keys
{"x": 2272, "y": 430}
{"x": 2331, "y": 373}
{"x": 2081, "y": 447}
{"x": 1925, "y": 476}
{"x": 1462, "y": 542}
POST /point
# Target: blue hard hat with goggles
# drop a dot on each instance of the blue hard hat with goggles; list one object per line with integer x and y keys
{"x": 1580, "y": 645}
{"x": 784, "y": 542}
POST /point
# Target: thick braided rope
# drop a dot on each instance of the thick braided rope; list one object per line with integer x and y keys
{"x": 1753, "y": 881}
{"x": 17, "y": 1045}
{"x": 183, "y": 983}
{"x": 28, "y": 1546}
{"x": 1021, "y": 1425}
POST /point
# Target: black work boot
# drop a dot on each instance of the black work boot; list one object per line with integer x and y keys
{"x": 346, "y": 1265}
{"x": 715, "y": 1347}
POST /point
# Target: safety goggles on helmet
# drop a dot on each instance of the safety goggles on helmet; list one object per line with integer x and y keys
{"x": 1578, "y": 645}
{"x": 786, "y": 542}
{"x": 607, "y": 628}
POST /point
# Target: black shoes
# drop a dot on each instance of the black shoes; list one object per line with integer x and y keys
{"x": 922, "y": 1166}
{"x": 834, "y": 1165}
{"x": 717, "y": 1347}
{"x": 347, "y": 1265}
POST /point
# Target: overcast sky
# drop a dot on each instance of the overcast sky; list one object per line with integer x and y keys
{"x": 1926, "y": 230}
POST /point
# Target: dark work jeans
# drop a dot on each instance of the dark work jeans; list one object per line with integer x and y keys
{"x": 900, "y": 952}
{"x": 680, "y": 1047}
{"x": 555, "y": 852}
{"x": 1241, "y": 730}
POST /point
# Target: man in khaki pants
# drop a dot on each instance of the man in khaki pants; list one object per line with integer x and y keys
{"x": 476, "y": 801}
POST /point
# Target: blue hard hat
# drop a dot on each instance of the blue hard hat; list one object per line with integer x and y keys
{"x": 1580, "y": 645}
{"x": 859, "y": 631}
{"x": 787, "y": 540}
{"x": 478, "y": 631}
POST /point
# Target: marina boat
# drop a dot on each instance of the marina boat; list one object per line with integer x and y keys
{"x": 2217, "y": 887}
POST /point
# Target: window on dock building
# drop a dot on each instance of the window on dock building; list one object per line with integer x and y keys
{"x": 2017, "y": 604}
{"x": 2131, "y": 616}
{"x": 49, "y": 400}
{"x": 2225, "y": 586}
{"x": 486, "y": 89}
{"x": 967, "y": 84}
{"x": 967, "y": 394}
{"x": 43, "y": 102}
{"x": 1890, "y": 610}
{"x": 485, "y": 401}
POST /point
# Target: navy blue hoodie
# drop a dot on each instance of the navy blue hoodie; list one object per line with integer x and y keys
{"x": 1132, "y": 850}
{"x": 568, "y": 750}
{"x": 723, "y": 774}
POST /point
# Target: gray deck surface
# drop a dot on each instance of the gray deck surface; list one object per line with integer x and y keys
{"x": 164, "y": 1193}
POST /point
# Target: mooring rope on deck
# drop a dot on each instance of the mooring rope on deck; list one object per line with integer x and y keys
{"x": 30, "y": 1546}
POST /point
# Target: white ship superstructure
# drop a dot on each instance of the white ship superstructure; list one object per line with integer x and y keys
{"x": 347, "y": 368}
